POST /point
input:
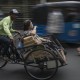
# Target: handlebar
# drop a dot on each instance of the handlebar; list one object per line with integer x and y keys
{"x": 17, "y": 34}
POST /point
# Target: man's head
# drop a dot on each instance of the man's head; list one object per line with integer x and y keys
{"x": 13, "y": 13}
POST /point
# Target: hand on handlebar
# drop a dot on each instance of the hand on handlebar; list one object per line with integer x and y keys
{"x": 17, "y": 31}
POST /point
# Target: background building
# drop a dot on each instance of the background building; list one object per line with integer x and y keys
{"x": 24, "y": 7}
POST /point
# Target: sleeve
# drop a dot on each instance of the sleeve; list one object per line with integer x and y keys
{"x": 6, "y": 29}
{"x": 11, "y": 29}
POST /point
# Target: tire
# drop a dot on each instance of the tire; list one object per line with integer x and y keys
{"x": 38, "y": 64}
{"x": 3, "y": 62}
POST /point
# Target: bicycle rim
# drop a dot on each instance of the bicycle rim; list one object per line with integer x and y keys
{"x": 3, "y": 62}
{"x": 41, "y": 64}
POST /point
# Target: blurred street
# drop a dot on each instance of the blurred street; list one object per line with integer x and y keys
{"x": 68, "y": 72}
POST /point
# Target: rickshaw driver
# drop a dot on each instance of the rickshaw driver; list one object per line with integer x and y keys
{"x": 6, "y": 28}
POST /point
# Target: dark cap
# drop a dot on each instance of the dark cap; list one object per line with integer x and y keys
{"x": 14, "y": 11}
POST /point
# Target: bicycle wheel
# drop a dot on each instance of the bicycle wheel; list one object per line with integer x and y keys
{"x": 41, "y": 64}
{"x": 3, "y": 61}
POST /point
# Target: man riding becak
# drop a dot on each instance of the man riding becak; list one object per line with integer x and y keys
{"x": 6, "y": 29}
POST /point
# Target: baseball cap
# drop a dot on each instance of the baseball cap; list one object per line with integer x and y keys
{"x": 14, "y": 11}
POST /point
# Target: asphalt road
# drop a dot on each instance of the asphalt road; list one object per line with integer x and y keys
{"x": 68, "y": 72}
